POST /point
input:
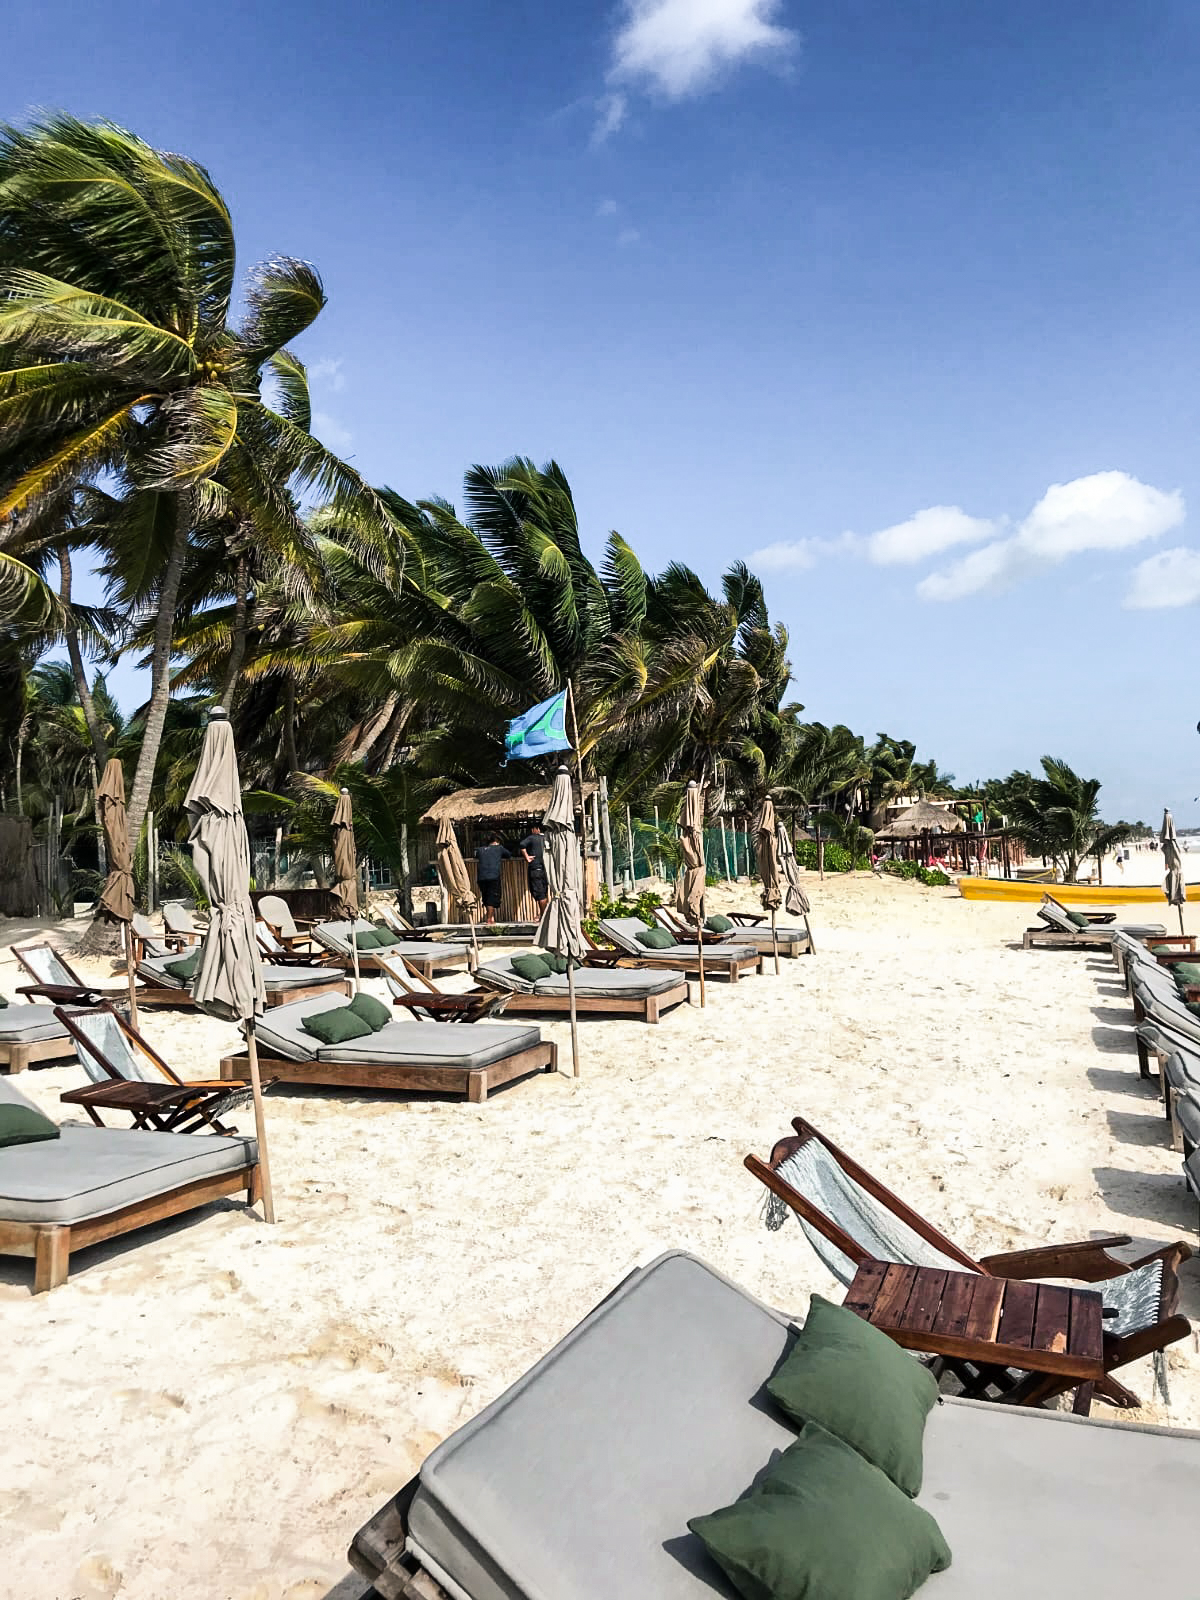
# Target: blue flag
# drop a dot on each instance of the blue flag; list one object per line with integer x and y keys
{"x": 538, "y": 731}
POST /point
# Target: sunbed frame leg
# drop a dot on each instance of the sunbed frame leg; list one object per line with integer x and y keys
{"x": 18, "y": 1057}
{"x": 651, "y": 1008}
{"x": 477, "y": 1087}
{"x": 51, "y": 1255}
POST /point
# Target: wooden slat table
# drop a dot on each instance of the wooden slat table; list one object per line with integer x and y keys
{"x": 1002, "y": 1323}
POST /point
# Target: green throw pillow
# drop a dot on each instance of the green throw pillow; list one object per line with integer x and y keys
{"x": 23, "y": 1125}
{"x": 823, "y": 1524}
{"x": 718, "y": 924}
{"x": 3, "y": 1001}
{"x": 1078, "y": 918}
{"x": 336, "y": 1026}
{"x": 366, "y": 939}
{"x": 185, "y": 968}
{"x": 1185, "y": 973}
{"x": 656, "y": 939}
{"x": 556, "y": 963}
{"x": 856, "y": 1382}
{"x": 531, "y": 968}
{"x": 384, "y": 937}
{"x": 373, "y": 1012}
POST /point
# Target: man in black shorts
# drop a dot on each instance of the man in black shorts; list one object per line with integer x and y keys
{"x": 489, "y": 857}
{"x": 533, "y": 848}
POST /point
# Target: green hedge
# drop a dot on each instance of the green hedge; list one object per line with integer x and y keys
{"x": 932, "y": 877}
{"x": 837, "y": 858}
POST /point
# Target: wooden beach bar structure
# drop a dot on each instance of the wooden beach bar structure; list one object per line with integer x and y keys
{"x": 506, "y": 811}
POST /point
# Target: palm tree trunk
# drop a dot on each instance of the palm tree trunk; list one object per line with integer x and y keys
{"x": 160, "y": 667}
{"x": 23, "y": 728}
{"x": 289, "y": 726}
{"x": 241, "y": 611}
{"x": 82, "y": 687}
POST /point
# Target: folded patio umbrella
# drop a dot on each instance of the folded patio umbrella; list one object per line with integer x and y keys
{"x": 116, "y": 898}
{"x": 795, "y": 900}
{"x": 1173, "y": 885}
{"x": 559, "y": 929}
{"x": 229, "y": 979}
{"x": 767, "y": 851}
{"x": 689, "y": 890}
{"x": 345, "y": 871}
{"x": 452, "y": 870}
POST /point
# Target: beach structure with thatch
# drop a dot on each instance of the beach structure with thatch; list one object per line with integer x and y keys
{"x": 506, "y": 810}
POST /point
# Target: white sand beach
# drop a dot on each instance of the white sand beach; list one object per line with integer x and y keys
{"x": 212, "y": 1408}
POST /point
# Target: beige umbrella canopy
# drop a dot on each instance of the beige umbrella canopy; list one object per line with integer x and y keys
{"x": 689, "y": 890}
{"x": 559, "y": 928}
{"x": 452, "y": 870}
{"x": 229, "y": 979}
{"x": 345, "y": 860}
{"x": 116, "y": 898}
{"x": 1173, "y": 885}
{"x": 795, "y": 900}
{"x": 767, "y": 851}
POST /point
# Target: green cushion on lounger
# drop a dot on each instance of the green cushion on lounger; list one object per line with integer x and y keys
{"x": 373, "y": 1012}
{"x": 656, "y": 939}
{"x": 367, "y": 939}
{"x": 185, "y": 968}
{"x": 823, "y": 1522}
{"x": 1185, "y": 973}
{"x": 336, "y": 1026}
{"x": 853, "y": 1380}
{"x": 718, "y": 924}
{"x": 3, "y": 1001}
{"x": 1078, "y": 918}
{"x": 556, "y": 963}
{"x": 531, "y": 968}
{"x": 385, "y": 937}
{"x": 21, "y": 1124}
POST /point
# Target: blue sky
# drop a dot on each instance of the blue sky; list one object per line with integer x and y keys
{"x": 897, "y": 302}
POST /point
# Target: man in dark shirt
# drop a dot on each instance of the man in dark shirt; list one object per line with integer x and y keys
{"x": 533, "y": 848}
{"x": 489, "y": 857}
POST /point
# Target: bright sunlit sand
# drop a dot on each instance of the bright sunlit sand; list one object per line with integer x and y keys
{"x": 227, "y": 1402}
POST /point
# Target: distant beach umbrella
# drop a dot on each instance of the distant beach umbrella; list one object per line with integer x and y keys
{"x": 795, "y": 900}
{"x": 229, "y": 978}
{"x": 559, "y": 929}
{"x": 345, "y": 871}
{"x": 452, "y": 870}
{"x": 1173, "y": 885}
{"x": 767, "y": 850}
{"x": 689, "y": 889}
{"x": 116, "y": 898}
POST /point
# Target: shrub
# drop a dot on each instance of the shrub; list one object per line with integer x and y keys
{"x": 608, "y": 905}
{"x": 914, "y": 872}
{"x": 837, "y": 859}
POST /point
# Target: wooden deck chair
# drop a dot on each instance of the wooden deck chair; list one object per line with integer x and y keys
{"x": 399, "y": 923}
{"x": 277, "y": 914}
{"x": 56, "y": 981}
{"x": 128, "y": 1074}
{"x": 1097, "y": 919}
{"x": 181, "y": 927}
{"x": 147, "y": 941}
{"x": 271, "y": 945}
{"x": 849, "y": 1217}
{"x": 669, "y": 919}
{"x": 409, "y": 987}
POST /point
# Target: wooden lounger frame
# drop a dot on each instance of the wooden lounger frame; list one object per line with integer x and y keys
{"x": 665, "y": 961}
{"x": 368, "y": 964}
{"x": 476, "y": 1083}
{"x": 792, "y": 943}
{"x": 16, "y": 1057}
{"x": 378, "y": 1553}
{"x": 52, "y": 1244}
{"x": 148, "y": 996}
{"x": 649, "y": 1007}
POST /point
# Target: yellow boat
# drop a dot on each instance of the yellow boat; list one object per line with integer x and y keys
{"x": 1017, "y": 891}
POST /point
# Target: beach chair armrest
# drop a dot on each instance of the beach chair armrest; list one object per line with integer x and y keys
{"x": 65, "y": 994}
{"x": 1099, "y": 918}
{"x": 1088, "y": 1261}
{"x": 746, "y": 919}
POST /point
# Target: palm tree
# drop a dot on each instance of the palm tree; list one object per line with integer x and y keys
{"x": 1056, "y": 816}
{"x": 118, "y": 360}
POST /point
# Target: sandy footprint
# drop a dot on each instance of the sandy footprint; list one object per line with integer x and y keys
{"x": 97, "y": 1578}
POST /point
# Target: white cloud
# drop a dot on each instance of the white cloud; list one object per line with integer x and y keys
{"x": 1171, "y": 578}
{"x": 607, "y": 208}
{"x": 628, "y": 236}
{"x": 1105, "y": 511}
{"x": 680, "y": 47}
{"x": 331, "y": 432}
{"x": 929, "y": 532}
{"x": 797, "y": 555}
{"x": 327, "y": 374}
{"x": 610, "y": 109}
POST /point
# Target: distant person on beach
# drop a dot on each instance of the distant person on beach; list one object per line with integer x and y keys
{"x": 533, "y": 848}
{"x": 490, "y": 857}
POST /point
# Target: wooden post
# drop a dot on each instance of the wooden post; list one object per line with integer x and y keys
{"x": 629, "y": 834}
{"x": 130, "y": 973}
{"x": 725, "y": 848}
{"x": 606, "y": 835}
{"x": 658, "y": 852}
{"x": 278, "y": 853}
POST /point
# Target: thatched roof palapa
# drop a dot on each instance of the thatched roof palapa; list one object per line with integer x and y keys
{"x": 922, "y": 818}
{"x": 508, "y": 804}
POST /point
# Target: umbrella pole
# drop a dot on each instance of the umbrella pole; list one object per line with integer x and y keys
{"x": 354, "y": 958}
{"x": 260, "y": 1125}
{"x": 574, "y": 1024}
{"x": 131, "y": 975}
{"x": 775, "y": 943}
{"x": 474, "y": 944}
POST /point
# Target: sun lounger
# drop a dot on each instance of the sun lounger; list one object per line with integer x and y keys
{"x": 31, "y": 1035}
{"x": 611, "y": 991}
{"x": 56, "y": 981}
{"x": 724, "y": 960}
{"x": 420, "y": 995}
{"x": 754, "y": 932}
{"x": 90, "y": 1184}
{"x": 429, "y": 1056}
{"x": 849, "y": 1217}
{"x": 158, "y": 987}
{"x": 147, "y": 941}
{"x": 277, "y": 914}
{"x": 1062, "y": 934}
{"x": 577, "y": 1483}
{"x": 334, "y": 938}
{"x": 128, "y": 1074}
{"x": 181, "y": 927}
{"x": 270, "y": 947}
